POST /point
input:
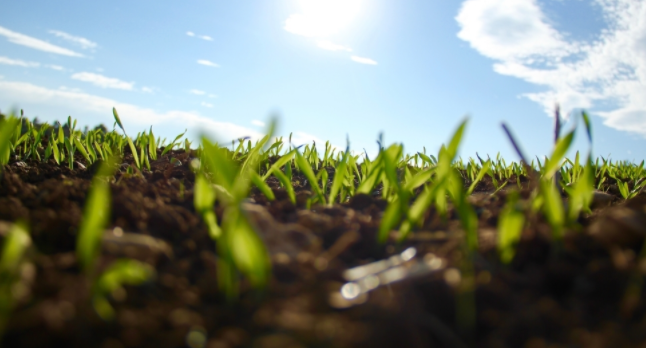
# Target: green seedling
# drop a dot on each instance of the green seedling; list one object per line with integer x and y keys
{"x": 8, "y": 128}
{"x": 95, "y": 218}
{"x": 239, "y": 247}
{"x": 340, "y": 174}
{"x": 111, "y": 281}
{"x": 486, "y": 168}
{"x": 626, "y": 192}
{"x": 133, "y": 149}
{"x": 305, "y": 167}
{"x": 510, "y": 226}
{"x": 581, "y": 192}
{"x": 14, "y": 248}
{"x": 204, "y": 198}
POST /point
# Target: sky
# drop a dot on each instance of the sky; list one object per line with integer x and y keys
{"x": 336, "y": 70}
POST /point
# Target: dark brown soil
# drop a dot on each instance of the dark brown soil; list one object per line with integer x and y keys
{"x": 586, "y": 291}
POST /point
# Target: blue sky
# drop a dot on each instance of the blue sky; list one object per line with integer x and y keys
{"x": 411, "y": 69}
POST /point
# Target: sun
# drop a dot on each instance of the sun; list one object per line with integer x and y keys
{"x": 322, "y": 18}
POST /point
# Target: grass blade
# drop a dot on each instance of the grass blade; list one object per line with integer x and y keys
{"x": 305, "y": 168}
{"x": 262, "y": 186}
{"x": 95, "y": 218}
{"x": 7, "y": 128}
{"x": 510, "y": 226}
{"x": 554, "y": 162}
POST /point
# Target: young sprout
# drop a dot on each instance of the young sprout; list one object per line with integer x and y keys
{"x": 305, "y": 167}
{"x": 8, "y": 127}
{"x": 95, "y": 218}
{"x": 88, "y": 247}
{"x": 204, "y": 198}
{"x": 510, "y": 226}
{"x": 111, "y": 281}
{"x": 238, "y": 245}
{"x": 340, "y": 174}
{"x": 130, "y": 143}
{"x": 14, "y": 249}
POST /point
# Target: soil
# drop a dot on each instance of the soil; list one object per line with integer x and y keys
{"x": 585, "y": 291}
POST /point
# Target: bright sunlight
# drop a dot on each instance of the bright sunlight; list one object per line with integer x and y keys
{"x": 322, "y": 18}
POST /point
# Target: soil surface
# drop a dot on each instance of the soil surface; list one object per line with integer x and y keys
{"x": 586, "y": 291}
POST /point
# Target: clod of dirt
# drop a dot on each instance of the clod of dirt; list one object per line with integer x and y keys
{"x": 623, "y": 225}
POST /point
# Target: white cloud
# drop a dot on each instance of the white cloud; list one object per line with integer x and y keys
{"x": 69, "y": 89}
{"x": 103, "y": 81}
{"x": 258, "y": 123}
{"x": 133, "y": 115}
{"x": 197, "y": 92}
{"x": 206, "y": 105}
{"x": 18, "y": 62}
{"x": 203, "y": 37}
{"x": 302, "y": 138}
{"x": 327, "y": 45}
{"x": 26, "y": 64}
{"x": 504, "y": 29}
{"x": 207, "y": 63}
{"x": 147, "y": 90}
{"x": 610, "y": 69}
{"x": 77, "y": 40}
{"x": 363, "y": 60}
{"x": 31, "y": 42}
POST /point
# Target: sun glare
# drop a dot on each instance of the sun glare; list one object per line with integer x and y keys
{"x": 322, "y": 18}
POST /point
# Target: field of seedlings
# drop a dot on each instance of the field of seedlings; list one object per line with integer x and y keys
{"x": 115, "y": 241}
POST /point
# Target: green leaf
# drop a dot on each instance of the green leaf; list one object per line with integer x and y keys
{"x": 253, "y": 157}
{"x": 452, "y": 149}
{"x": 61, "y": 135}
{"x": 390, "y": 219}
{"x": 391, "y": 157}
{"x": 203, "y": 200}
{"x": 422, "y": 203}
{"x": 279, "y": 164}
{"x": 588, "y": 125}
{"x": 95, "y": 218}
{"x": 419, "y": 179}
{"x": 554, "y": 162}
{"x": 172, "y": 144}
{"x": 247, "y": 249}
{"x": 224, "y": 170}
{"x": 483, "y": 171}
{"x": 287, "y": 183}
{"x": 582, "y": 192}
{"x": 81, "y": 149}
{"x": 133, "y": 149}
{"x": 14, "y": 247}
{"x": 371, "y": 180}
{"x": 121, "y": 272}
{"x": 152, "y": 146}
{"x": 262, "y": 186}
{"x": 339, "y": 175}
{"x": 7, "y": 128}
{"x": 510, "y": 226}
{"x": 203, "y": 194}
{"x": 425, "y": 158}
{"x": 553, "y": 207}
{"x": 623, "y": 189}
{"x": 305, "y": 168}
{"x": 116, "y": 118}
